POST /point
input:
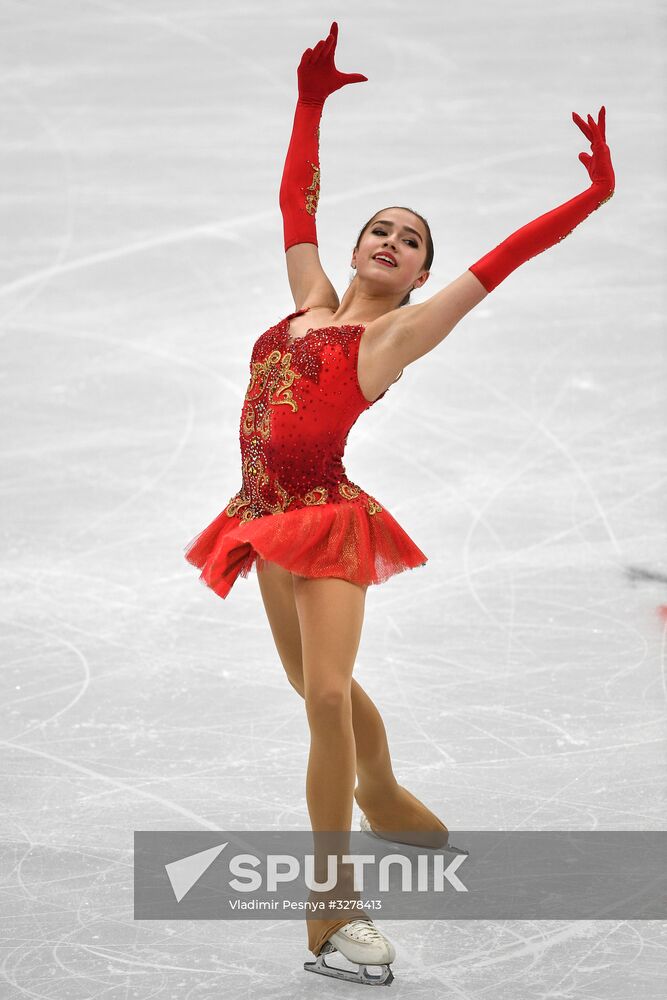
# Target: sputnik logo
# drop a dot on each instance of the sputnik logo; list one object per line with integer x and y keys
{"x": 185, "y": 872}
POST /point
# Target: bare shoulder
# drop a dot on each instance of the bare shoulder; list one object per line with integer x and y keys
{"x": 393, "y": 341}
{"x": 410, "y": 332}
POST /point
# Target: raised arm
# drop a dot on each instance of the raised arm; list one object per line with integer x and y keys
{"x": 300, "y": 187}
{"x": 413, "y": 331}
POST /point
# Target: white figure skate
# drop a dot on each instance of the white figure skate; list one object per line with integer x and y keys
{"x": 359, "y": 941}
{"x": 366, "y": 827}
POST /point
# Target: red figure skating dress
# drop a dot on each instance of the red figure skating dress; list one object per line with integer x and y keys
{"x": 296, "y": 506}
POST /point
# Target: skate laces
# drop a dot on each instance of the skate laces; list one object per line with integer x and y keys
{"x": 363, "y": 930}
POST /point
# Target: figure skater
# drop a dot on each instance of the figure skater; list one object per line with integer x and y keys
{"x": 318, "y": 540}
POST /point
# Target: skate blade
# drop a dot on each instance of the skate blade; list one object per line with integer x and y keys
{"x": 445, "y": 847}
{"x": 362, "y": 975}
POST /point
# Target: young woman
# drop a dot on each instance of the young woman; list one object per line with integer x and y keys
{"x": 317, "y": 539}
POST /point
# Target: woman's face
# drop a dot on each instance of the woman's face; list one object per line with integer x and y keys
{"x": 400, "y": 235}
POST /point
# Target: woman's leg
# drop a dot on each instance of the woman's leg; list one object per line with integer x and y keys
{"x": 372, "y": 750}
{"x": 330, "y": 613}
{"x": 388, "y": 805}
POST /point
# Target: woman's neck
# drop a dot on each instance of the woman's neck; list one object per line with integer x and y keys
{"x": 361, "y": 308}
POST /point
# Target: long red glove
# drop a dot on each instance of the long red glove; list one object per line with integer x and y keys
{"x": 548, "y": 229}
{"x": 300, "y": 186}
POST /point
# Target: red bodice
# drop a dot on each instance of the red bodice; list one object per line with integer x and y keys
{"x": 302, "y": 400}
{"x": 296, "y": 506}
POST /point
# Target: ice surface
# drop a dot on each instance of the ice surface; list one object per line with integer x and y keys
{"x": 521, "y": 673}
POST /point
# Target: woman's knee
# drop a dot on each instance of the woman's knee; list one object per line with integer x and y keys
{"x": 329, "y": 703}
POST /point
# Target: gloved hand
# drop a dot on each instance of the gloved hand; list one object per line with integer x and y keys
{"x": 598, "y": 165}
{"x": 300, "y": 185}
{"x": 554, "y": 226}
{"x": 317, "y": 75}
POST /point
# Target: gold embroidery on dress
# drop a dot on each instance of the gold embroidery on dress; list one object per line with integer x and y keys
{"x": 254, "y": 470}
{"x": 319, "y": 494}
{"x": 235, "y": 504}
{"x": 248, "y": 420}
{"x": 275, "y": 368}
{"x": 288, "y": 377}
{"x": 285, "y": 497}
{"x": 270, "y": 385}
{"x": 348, "y": 490}
{"x": 264, "y": 425}
{"x": 259, "y": 373}
{"x": 256, "y": 475}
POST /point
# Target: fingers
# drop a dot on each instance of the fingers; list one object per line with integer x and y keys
{"x": 328, "y": 44}
{"x": 597, "y": 127}
{"x": 333, "y": 37}
{"x": 325, "y": 45}
{"x": 593, "y": 130}
{"x": 582, "y": 125}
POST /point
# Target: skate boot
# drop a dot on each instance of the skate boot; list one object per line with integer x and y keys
{"x": 361, "y": 942}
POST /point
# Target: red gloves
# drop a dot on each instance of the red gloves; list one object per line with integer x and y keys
{"x": 548, "y": 229}
{"x": 300, "y": 186}
{"x": 316, "y": 73}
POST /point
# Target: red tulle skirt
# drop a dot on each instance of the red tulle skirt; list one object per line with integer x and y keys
{"x": 331, "y": 539}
